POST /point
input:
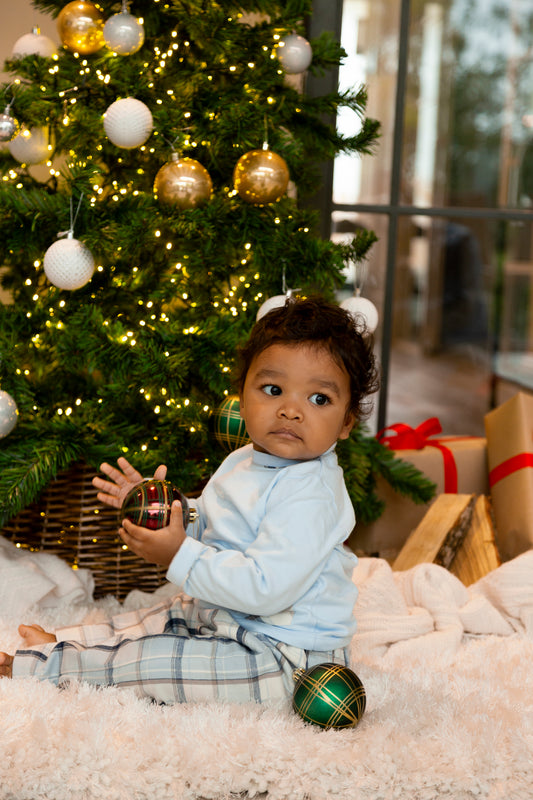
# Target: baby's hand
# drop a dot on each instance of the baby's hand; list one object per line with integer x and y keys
{"x": 113, "y": 492}
{"x": 160, "y": 546}
{"x": 6, "y": 665}
{"x": 34, "y": 634}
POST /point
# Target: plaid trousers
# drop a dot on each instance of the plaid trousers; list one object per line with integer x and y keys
{"x": 175, "y": 652}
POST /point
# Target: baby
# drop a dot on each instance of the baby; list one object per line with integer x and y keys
{"x": 263, "y": 578}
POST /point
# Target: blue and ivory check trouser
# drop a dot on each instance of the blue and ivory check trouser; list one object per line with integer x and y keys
{"x": 175, "y": 652}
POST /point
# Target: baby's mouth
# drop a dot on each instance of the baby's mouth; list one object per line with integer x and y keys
{"x": 286, "y": 433}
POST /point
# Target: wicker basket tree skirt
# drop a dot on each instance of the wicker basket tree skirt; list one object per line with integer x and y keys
{"x": 69, "y": 521}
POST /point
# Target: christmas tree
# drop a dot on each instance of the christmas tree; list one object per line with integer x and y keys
{"x": 180, "y": 148}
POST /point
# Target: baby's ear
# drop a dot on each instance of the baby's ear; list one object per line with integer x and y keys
{"x": 349, "y": 421}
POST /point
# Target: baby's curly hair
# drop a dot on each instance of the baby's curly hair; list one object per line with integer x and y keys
{"x": 317, "y": 322}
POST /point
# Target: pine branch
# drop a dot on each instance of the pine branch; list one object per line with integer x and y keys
{"x": 31, "y": 458}
{"x": 363, "y": 458}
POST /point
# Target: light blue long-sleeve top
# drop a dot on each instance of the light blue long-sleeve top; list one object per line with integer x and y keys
{"x": 270, "y": 548}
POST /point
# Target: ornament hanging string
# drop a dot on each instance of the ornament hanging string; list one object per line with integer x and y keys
{"x": 287, "y": 292}
{"x": 359, "y": 279}
{"x": 73, "y": 218}
{"x": 172, "y": 143}
{"x": 10, "y": 103}
{"x": 265, "y": 140}
{"x": 7, "y": 88}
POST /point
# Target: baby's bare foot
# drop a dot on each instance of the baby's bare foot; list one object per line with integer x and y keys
{"x": 34, "y": 634}
{"x": 6, "y": 665}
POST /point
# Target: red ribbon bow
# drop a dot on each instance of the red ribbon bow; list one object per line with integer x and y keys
{"x": 408, "y": 438}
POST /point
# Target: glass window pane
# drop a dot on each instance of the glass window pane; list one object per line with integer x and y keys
{"x": 462, "y": 320}
{"x": 370, "y": 30}
{"x": 514, "y": 352}
{"x": 468, "y": 125}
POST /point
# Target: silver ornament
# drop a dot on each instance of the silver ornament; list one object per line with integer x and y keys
{"x": 295, "y": 54}
{"x": 9, "y": 127}
{"x": 123, "y": 34}
{"x": 8, "y": 413}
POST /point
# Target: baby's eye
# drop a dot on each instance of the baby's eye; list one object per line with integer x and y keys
{"x": 271, "y": 389}
{"x": 319, "y": 399}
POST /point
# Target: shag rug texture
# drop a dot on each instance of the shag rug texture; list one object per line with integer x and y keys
{"x": 449, "y": 681}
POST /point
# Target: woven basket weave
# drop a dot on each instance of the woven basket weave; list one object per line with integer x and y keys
{"x": 69, "y": 521}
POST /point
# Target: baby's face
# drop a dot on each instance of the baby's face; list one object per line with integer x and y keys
{"x": 295, "y": 401}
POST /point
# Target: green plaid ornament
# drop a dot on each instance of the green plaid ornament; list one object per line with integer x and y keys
{"x": 329, "y": 695}
{"x": 228, "y": 426}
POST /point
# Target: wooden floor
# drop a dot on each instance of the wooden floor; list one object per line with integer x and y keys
{"x": 454, "y": 386}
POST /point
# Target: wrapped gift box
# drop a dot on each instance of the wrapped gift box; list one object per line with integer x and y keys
{"x": 509, "y": 430}
{"x": 453, "y": 463}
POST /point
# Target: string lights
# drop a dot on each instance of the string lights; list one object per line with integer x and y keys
{"x": 160, "y": 292}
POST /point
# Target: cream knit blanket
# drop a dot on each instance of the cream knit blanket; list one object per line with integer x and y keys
{"x": 428, "y": 611}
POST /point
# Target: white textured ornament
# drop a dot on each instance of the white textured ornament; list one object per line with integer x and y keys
{"x": 277, "y": 301}
{"x": 68, "y": 264}
{"x": 294, "y": 53}
{"x": 123, "y": 34}
{"x": 34, "y": 44}
{"x": 362, "y": 310}
{"x": 31, "y": 146}
{"x": 128, "y": 122}
{"x": 8, "y": 413}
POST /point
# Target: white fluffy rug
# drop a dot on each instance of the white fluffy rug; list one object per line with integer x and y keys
{"x": 449, "y": 681}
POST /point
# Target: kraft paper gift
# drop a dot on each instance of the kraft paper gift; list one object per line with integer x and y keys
{"x": 454, "y": 463}
{"x": 509, "y": 430}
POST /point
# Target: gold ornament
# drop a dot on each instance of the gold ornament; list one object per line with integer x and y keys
{"x": 183, "y": 183}
{"x": 261, "y": 177}
{"x": 80, "y": 25}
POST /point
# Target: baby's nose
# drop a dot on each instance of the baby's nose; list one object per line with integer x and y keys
{"x": 291, "y": 410}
